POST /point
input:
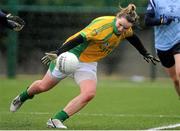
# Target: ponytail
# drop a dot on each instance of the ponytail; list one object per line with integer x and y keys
{"x": 129, "y": 13}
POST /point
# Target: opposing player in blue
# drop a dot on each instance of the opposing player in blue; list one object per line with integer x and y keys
{"x": 164, "y": 15}
{"x": 12, "y": 22}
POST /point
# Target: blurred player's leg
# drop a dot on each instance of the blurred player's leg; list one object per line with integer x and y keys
{"x": 172, "y": 73}
{"x": 177, "y": 65}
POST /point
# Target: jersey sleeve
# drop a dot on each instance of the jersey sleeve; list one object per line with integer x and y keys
{"x": 150, "y": 15}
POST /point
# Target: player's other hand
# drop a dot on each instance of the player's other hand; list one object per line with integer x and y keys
{"x": 166, "y": 20}
{"x": 149, "y": 58}
{"x": 49, "y": 56}
{"x": 15, "y": 22}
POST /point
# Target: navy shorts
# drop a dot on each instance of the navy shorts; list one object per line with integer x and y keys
{"x": 167, "y": 57}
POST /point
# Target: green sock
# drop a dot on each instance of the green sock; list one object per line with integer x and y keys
{"x": 62, "y": 116}
{"x": 24, "y": 96}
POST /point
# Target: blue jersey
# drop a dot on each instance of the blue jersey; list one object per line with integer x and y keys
{"x": 166, "y": 36}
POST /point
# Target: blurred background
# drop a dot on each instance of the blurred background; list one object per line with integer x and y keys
{"x": 50, "y": 22}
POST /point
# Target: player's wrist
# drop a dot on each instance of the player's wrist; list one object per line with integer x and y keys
{"x": 145, "y": 53}
{"x": 58, "y": 51}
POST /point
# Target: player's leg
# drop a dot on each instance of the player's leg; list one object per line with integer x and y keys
{"x": 177, "y": 68}
{"x": 36, "y": 87}
{"x": 51, "y": 78}
{"x": 43, "y": 85}
{"x": 172, "y": 73}
{"x": 176, "y": 52}
{"x": 87, "y": 93}
{"x": 87, "y": 79}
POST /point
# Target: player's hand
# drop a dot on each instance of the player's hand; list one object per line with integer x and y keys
{"x": 15, "y": 22}
{"x": 166, "y": 21}
{"x": 149, "y": 58}
{"x": 50, "y": 56}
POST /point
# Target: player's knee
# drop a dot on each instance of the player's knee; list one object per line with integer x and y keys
{"x": 41, "y": 87}
{"x": 89, "y": 96}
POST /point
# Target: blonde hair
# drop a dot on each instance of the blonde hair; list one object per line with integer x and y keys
{"x": 129, "y": 13}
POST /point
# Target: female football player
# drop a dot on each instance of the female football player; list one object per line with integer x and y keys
{"x": 90, "y": 45}
{"x": 165, "y": 17}
{"x": 13, "y": 22}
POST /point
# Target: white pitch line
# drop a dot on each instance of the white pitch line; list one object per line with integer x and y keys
{"x": 130, "y": 115}
{"x": 165, "y": 127}
{"x": 29, "y": 113}
{"x": 100, "y": 114}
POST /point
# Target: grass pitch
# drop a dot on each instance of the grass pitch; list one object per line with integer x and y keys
{"x": 118, "y": 105}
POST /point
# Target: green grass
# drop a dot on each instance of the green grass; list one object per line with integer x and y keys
{"x": 118, "y": 105}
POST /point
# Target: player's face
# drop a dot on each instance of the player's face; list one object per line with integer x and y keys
{"x": 122, "y": 24}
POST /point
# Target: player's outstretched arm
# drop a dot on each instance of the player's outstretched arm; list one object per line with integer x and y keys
{"x": 135, "y": 41}
{"x": 50, "y": 56}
